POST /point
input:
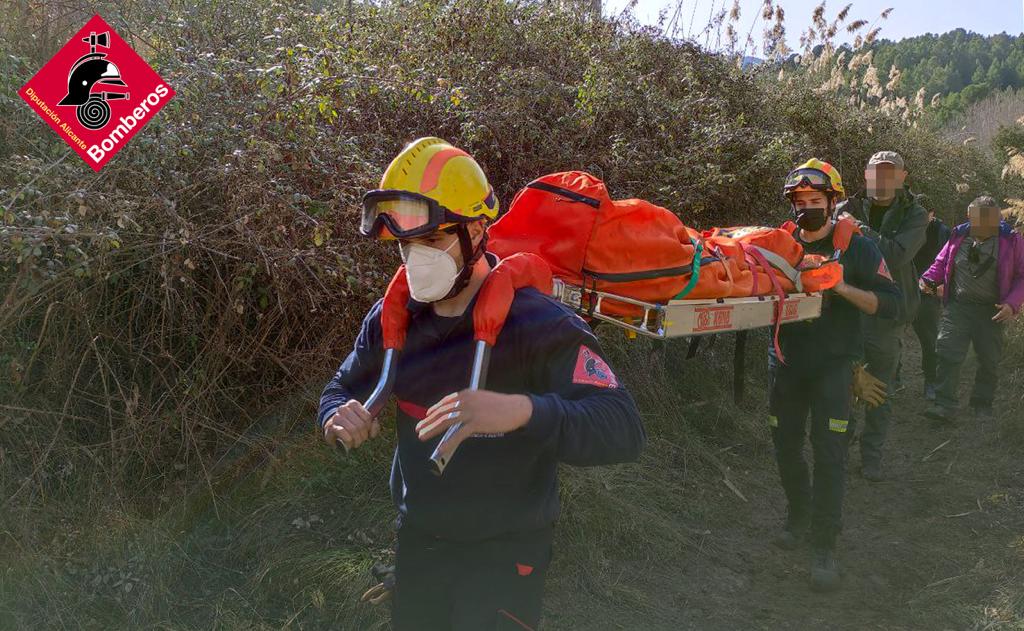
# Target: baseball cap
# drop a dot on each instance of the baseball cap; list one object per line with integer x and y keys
{"x": 888, "y": 157}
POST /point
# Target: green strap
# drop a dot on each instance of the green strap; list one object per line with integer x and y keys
{"x": 698, "y": 248}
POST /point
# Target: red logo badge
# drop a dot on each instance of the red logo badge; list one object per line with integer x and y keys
{"x": 883, "y": 270}
{"x": 713, "y": 319}
{"x": 591, "y": 369}
{"x": 96, "y": 93}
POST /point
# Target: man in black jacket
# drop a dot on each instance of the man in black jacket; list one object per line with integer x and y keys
{"x": 890, "y": 216}
{"x": 474, "y": 544}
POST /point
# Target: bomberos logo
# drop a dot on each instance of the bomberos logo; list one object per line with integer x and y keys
{"x": 88, "y": 93}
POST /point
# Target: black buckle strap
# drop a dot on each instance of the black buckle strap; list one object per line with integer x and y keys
{"x": 564, "y": 192}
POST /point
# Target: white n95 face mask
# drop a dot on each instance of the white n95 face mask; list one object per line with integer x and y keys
{"x": 431, "y": 272}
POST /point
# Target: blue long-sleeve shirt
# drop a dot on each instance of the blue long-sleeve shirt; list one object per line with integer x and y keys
{"x": 582, "y": 415}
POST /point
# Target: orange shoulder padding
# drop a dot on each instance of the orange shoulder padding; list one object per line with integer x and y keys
{"x": 394, "y": 315}
{"x": 843, "y": 233}
{"x": 492, "y": 304}
{"x": 496, "y": 294}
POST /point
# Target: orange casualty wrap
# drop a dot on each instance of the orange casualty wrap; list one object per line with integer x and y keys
{"x": 639, "y": 250}
{"x": 723, "y": 272}
{"x": 766, "y": 257}
{"x": 627, "y": 247}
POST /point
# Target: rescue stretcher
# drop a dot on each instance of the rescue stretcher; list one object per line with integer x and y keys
{"x": 687, "y": 318}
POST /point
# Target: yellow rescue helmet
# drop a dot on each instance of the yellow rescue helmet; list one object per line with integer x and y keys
{"x": 815, "y": 175}
{"x": 432, "y": 171}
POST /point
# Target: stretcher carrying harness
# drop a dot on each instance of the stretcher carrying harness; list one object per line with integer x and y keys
{"x": 489, "y": 313}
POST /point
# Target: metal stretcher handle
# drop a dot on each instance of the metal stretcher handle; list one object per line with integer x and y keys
{"x": 379, "y": 396}
{"x": 481, "y": 359}
{"x": 385, "y": 384}
{"x": 651, "y": 325}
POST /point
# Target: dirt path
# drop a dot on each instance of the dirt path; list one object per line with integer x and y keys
{"x": 940, "y": 545}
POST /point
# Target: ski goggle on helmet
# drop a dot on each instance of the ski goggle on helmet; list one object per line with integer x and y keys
{"x": 404, "y": 214}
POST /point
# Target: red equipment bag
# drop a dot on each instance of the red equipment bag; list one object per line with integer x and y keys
{"x": 628, "y": 247}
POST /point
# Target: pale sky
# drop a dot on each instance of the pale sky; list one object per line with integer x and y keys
{"x": 909, "y": 17}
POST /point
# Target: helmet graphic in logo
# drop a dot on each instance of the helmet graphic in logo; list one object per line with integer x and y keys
{"x": 90, "y": 71}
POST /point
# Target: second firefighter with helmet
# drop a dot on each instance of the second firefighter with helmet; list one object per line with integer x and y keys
{"x": 814, "y": 381}
{"x": 473, "y": 544}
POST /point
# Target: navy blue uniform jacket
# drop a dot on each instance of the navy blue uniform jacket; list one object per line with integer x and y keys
{"x": 494, "y": 486}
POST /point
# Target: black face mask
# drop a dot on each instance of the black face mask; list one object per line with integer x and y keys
{"x": 811, "y": 219}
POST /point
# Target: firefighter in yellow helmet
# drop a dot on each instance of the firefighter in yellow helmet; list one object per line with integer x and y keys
{"x": 816, "y": 378}
{"x": 432, "y": 186}
{"x": 474, "y": 544}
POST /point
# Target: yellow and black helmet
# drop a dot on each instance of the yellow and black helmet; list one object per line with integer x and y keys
{"x": 814, "y": 175}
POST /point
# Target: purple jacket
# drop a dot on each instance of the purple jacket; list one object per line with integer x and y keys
{"x": 1010, "y": 266}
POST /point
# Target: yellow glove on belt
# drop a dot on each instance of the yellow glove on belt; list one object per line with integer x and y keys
{"x": 867, "y": 387}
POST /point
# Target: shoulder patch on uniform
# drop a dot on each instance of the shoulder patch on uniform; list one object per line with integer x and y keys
{"x": 883, "y": 270}
{"x": 592, "y": 370}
